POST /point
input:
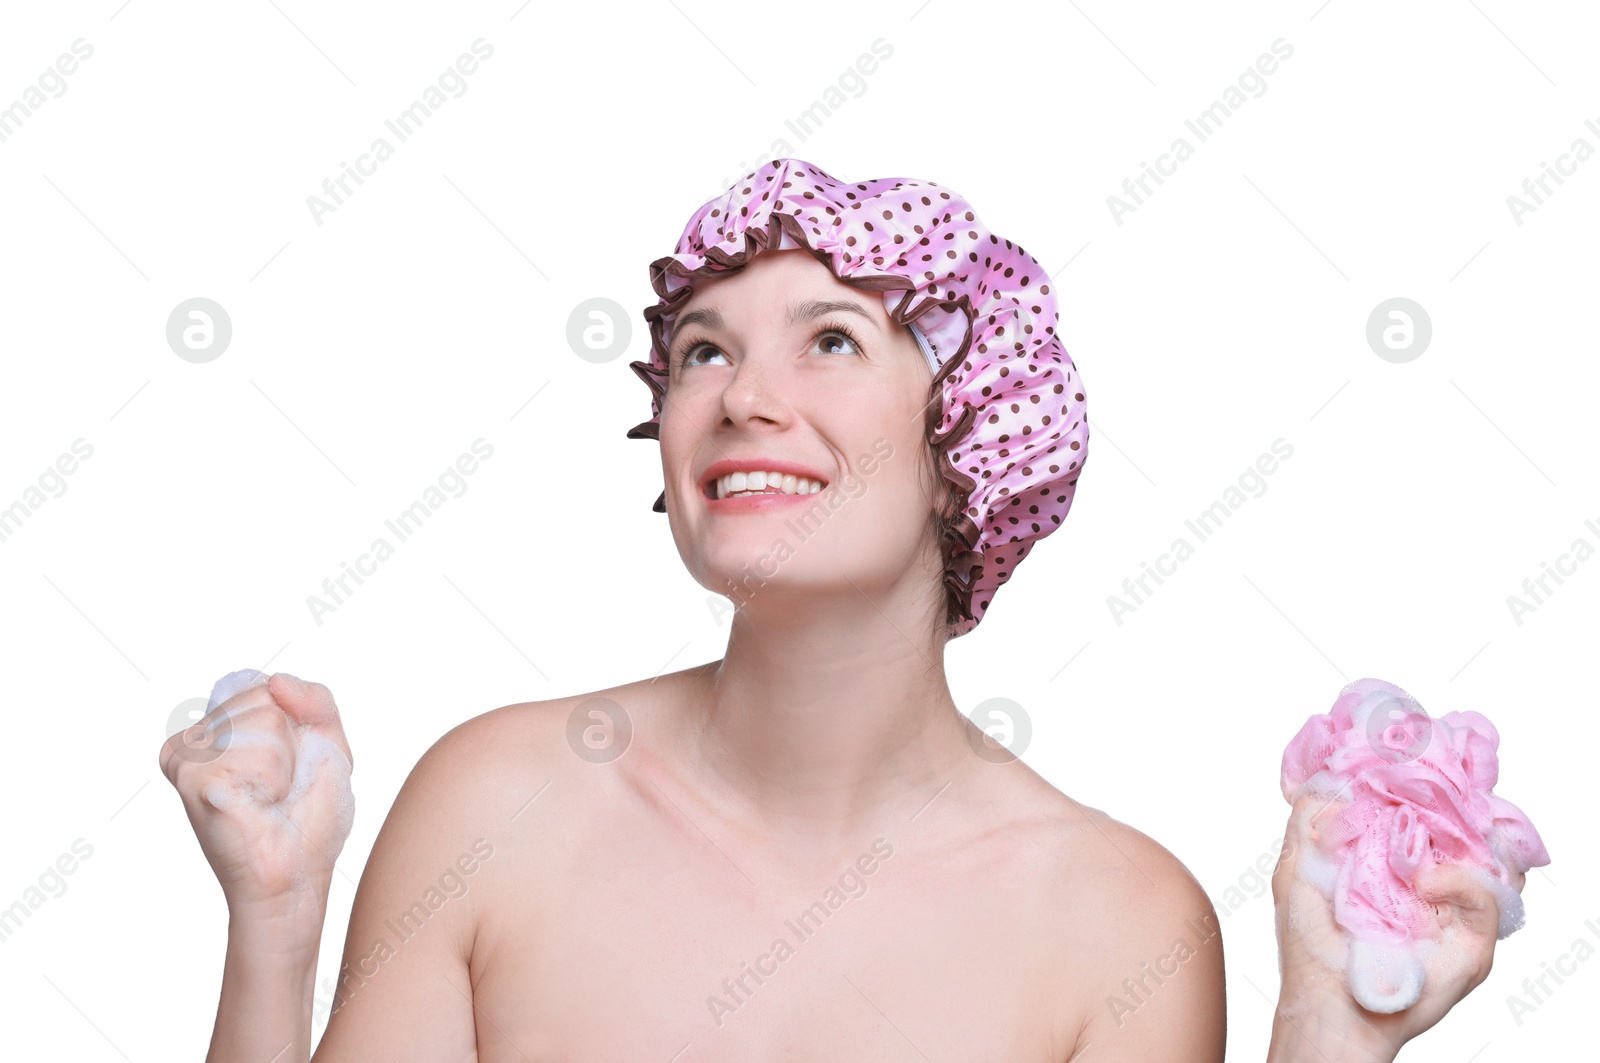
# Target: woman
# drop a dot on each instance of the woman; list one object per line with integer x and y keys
{"x": 802, "y": 850}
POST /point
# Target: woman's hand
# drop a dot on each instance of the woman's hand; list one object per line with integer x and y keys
{"x": 1318, "y": 1017}
{"x": 265, "y": 780}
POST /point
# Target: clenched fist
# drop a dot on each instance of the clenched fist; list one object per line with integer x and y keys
{"x": 265, "y": 779}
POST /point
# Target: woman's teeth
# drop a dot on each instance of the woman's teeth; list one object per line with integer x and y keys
{"x": 736, "y": 484}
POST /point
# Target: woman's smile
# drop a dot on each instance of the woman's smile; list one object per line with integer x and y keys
{"x": 756, "y": 501}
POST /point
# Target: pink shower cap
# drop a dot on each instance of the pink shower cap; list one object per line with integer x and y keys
{"x": 1013, "y": 433}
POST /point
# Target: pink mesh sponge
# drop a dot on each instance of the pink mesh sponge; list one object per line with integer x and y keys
{"x": 1420, "y": 792}
{"x": 1013, "y": 432}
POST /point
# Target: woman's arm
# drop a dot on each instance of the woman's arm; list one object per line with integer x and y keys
{"x": 405, "y": 989}
{"x": 1308, "y": 1027}
{"x": 265, "y": 781}
{"x": 267, "y": 988}
{"x": 1147, "y": 947}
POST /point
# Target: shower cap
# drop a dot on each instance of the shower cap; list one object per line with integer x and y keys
{"x": 1013, "y": 431}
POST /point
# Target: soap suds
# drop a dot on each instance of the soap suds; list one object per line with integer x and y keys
{"x": 1384, "y": 978}
{"x": 233, "y": 683}
{"x": 311, "y": 751}
{"x": 1417, "y": 792}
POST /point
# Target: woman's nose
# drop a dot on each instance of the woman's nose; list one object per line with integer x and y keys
{"x": 757, "y": 388}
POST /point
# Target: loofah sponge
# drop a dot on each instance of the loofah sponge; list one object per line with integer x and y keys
{"x": 1418, "y": 792}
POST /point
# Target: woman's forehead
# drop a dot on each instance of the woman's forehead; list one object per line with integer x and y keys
{"x": 791, "y": 280}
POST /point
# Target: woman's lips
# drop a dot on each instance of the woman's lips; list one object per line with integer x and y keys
{"x": 771, "y": 498}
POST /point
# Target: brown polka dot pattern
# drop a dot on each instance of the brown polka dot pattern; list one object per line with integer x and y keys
{"x": 1014, "y": 431}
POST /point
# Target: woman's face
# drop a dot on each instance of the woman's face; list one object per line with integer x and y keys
{"x": 782, "y": 368}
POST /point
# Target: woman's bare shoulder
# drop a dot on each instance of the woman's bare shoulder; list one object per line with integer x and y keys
{"x": 1097, "y": 850}
{"x": 1095, "y": 869}
{"x": 496, "y": 756}
{"x": 1118, "y": 918}
{"x": 491, "y": 813}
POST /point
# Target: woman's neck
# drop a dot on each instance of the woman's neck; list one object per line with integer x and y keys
{"x": 819, "y": 721}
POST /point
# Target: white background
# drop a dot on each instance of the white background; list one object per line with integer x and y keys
{"x": 431, "y": 309}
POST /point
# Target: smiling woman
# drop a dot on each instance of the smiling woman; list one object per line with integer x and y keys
{"x": 832, "y": 400}
{"x": 910, "y": 260}
{"x": 867, "y": 376}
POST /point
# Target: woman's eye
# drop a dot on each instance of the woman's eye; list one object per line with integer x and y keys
{"x": 834, "y": 337}
{"x": 828, "y": 342}
{"x": 688, "y": 357}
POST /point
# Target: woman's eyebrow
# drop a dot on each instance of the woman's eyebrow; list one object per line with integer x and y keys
{"x": 799, "y": 313}
{"x": 812, "y": 309}
{"x": 708, "y": 317}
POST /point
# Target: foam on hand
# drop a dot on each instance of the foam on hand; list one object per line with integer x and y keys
{"x": 233, "y": 683}
{"x": 1420, "y": 793}
{"x": 311, "y": 751}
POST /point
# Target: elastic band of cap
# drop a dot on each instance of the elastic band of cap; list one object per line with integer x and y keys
{"x": 927, "y": 348}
